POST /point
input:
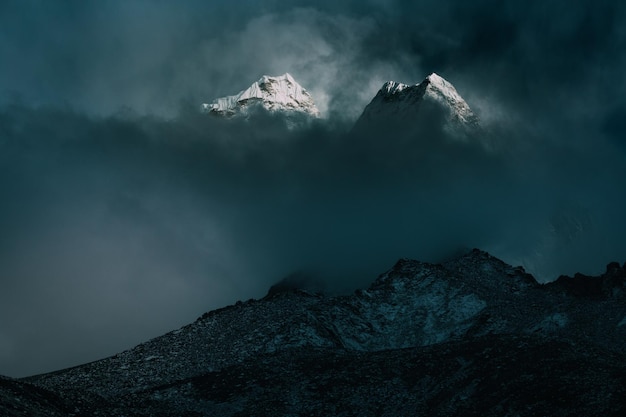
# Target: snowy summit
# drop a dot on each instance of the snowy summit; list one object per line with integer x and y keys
{"x": 274, "y": 94}
{"x": 402, "y": 102}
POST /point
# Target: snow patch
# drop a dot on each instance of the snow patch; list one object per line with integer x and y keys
{"x": 441, "y": 90}
{"x": 392, "y": 87}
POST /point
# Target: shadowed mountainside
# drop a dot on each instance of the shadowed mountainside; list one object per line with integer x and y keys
{"x": 472, "y": 335}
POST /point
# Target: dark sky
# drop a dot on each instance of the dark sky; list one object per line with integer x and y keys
{"x": 125, "y": 214}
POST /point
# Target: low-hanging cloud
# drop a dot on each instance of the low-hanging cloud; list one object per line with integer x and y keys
{"x": 148, "y": 222}
{"x": 116, "y": 228}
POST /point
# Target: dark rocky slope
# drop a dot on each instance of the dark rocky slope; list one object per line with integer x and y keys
{"x": 471, "y": 336}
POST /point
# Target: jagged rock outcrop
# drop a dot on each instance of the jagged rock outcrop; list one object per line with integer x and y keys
{"x": 610, "y": 285}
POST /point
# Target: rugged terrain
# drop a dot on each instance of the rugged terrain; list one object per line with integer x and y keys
{"x": 471, "y": 336}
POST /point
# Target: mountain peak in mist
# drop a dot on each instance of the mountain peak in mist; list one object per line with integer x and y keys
{"x": 275, "y": 94}
{"x": 403, "y": 103}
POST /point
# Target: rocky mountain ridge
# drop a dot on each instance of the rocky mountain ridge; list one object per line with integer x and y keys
{"x": 467, "y": 315}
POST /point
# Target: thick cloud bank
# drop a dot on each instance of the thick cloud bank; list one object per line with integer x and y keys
{"x": 125, "y": 213}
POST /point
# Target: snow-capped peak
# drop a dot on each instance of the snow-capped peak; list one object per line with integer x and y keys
{"x": 281, "y": 93}
{"x": 402, "y": 102}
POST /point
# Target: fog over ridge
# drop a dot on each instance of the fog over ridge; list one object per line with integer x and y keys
{"x": 126, "y": 213}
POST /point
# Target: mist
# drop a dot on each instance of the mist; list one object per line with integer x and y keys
{"x": 126, "y": 213}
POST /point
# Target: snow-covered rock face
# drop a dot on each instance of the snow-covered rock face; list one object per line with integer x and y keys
{"x": 274, "y": 94}
{"x": 402, "y": 104}
{"x": 442, "y": 91}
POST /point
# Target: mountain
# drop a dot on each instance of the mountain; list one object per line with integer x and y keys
{"x": 431, "y": 107}
{"x": 274, "y": 94}
{"x": 433, "y": 103}
{"x": 470, "y": 336}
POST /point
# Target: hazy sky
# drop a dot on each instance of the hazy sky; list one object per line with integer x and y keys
{"x": 125, "y": 214}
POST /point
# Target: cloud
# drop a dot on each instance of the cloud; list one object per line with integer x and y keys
{"x": 150, "y": 222}
{"x": 320, "y": 50}
{"x": 120, "y": 225}
{"x": 127, "y": 55}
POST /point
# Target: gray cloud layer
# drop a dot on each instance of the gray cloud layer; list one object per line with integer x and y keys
{"x": 118, "y": 228}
